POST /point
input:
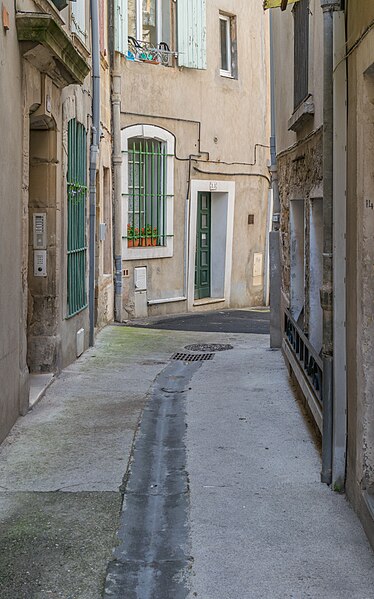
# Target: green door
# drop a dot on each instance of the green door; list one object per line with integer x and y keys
{"x": 202, "y": 265}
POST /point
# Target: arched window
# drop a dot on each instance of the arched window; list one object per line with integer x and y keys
{"x": 147, "y": 190}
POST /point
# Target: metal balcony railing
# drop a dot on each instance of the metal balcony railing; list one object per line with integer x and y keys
{"x": 139, "y": 50}
{"x": 305, "y": 355}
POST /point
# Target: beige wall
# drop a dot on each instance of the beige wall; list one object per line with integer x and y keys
{"x": 299, "y": 154}
{"x": 231, "y": 117}
{"x": 35, "y": 334}
{"x": 284, "y": 77}
{"x": 360, "y": 258}
{"x": 10, "y": 225}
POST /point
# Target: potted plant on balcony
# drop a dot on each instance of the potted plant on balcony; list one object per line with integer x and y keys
{"x": 154, "y": 236}
{"x": 132, "y": 236}
{"x": 148, "y": 235}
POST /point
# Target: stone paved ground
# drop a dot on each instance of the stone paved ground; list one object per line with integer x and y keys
{"x": 259, "y": 523}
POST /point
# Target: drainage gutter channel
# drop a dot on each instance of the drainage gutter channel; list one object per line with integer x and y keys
{"x": 153, "y": 556}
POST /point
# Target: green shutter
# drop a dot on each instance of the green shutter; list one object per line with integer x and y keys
{"x": 121, "y": 26}
{"x": 192, "y": 33}
{"x": 76, "y": 232}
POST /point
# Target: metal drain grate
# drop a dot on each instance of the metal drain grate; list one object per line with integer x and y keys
{"x": 192, "y": 357}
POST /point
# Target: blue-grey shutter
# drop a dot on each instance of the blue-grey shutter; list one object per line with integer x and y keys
{"x": 121, "y": 26}
{"x": 192, "y": 33}
{"x": 78, "y": 11}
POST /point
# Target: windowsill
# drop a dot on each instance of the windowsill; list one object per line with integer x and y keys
{"x": 303, "y": 113}
{"x": 147, "y": 253}
{"x": 226, "y": 74}
{"x": 208, "y": 300}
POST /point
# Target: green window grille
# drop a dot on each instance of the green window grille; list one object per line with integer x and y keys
{"x": 147, "y": 194}
{"x": 76, "y": 231}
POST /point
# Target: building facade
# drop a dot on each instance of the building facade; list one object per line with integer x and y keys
{"x": 323, "y": 138}
{"x": 46, "y": 90}
{"x": 360, "y": 257}
{"x": 192, "y": 195}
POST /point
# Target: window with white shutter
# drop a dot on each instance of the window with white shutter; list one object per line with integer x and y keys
{"x": 78, "y": 17}
{"x": 121, "y": 26}
{"x": 191, "y": 18}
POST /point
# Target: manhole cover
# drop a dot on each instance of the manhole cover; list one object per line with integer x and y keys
{"x": 192, "y": 357}
{"x": 209, "y": 347}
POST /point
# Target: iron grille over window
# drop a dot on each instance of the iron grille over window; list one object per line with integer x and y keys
{"x": 147, "y": 193}
{"x": 301, "y": 51}
{"x": 76, "y": 241}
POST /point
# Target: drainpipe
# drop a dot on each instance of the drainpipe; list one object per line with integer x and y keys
{"x": 115, "y": 63}
{"x": 94, "y": 150}
{"x": 274, "y": 235}
{"x": 339, "y": 265}
{"x": 328, "y": 8}
{"x": 117, "y": 166}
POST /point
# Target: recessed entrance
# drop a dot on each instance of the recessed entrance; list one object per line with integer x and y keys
{"x": 210, "y": 242}
{"x": 203, "y": 246}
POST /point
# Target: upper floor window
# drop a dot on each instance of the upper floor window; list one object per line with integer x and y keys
{"x": 301, "y": 51}
{"x": 149, "y": 21}
{"x": 228, "y": 66}
{"x": 78, "y": 17}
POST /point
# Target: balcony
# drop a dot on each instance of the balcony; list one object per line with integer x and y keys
{"x": 141, "y": 51}
{"x": 46, "y": 45}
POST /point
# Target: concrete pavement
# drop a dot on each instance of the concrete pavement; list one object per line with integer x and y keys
{"x": 256, "y": 521}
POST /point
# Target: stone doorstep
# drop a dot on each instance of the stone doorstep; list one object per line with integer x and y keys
{"x": 39, "y": 383}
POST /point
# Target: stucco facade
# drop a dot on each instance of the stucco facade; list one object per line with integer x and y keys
{"x": 47, "y": 86}
{"x": 220, "y": 128}
{"x": 360, "y": 257}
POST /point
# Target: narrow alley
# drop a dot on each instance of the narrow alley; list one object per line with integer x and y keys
{"x": 142, "y": 476}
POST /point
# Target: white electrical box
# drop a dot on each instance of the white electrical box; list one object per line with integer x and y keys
{"x": 40, "y": 230}
{"x": 40, "y": 263}
{"x": 140, "y": 278}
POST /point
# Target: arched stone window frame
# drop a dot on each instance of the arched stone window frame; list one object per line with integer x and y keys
{"x": 164, "y": 136}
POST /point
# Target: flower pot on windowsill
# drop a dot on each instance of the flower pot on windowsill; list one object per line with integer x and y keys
{"x": 154, "y": 241}
{"x": 132, "y": 243}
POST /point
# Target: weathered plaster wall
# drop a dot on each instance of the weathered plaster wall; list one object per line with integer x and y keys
{"x": 300, "y": 178}
{"x": 198, "y": 107}
{"x": 11, "y": 320}
{"x": 360, "y": 259}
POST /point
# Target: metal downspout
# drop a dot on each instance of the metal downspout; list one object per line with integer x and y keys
{"x": 94, "y": 149}
{"x": 117, "y": 165}
{"x": 328, "y": 7}
{"x": 274, "y": 235}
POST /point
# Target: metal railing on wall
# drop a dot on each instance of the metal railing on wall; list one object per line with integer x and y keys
{"x": 306, "y": 357}
{"x": 143, "y": 51}
{"x": 76, "y": 218}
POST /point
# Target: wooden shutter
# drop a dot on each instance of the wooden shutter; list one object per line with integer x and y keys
{"x": 191, "y": 17}
{"x": 78, "y": 10}
{"x": 121, "y": 26}
{"x": 301, "y": 51}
